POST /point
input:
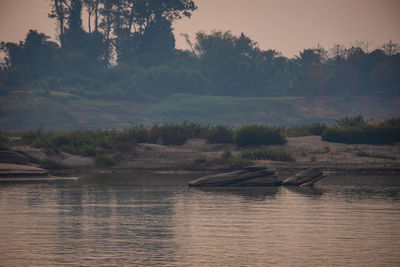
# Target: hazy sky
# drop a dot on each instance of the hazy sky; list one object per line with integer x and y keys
{"x": 284, "y": 25}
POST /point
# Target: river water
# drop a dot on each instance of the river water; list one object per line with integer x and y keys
{"x": 136, "y": 219}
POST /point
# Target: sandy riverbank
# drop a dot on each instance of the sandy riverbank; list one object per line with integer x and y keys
{"x": 308, "y": 151}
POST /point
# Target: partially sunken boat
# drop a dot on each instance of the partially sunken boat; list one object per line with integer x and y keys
{"x": 258, "y": 176}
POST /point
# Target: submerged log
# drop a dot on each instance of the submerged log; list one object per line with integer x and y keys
{"x": 255, "y": 176}
{"x": 258, "y": 176}
{"x": 305, "y": 178}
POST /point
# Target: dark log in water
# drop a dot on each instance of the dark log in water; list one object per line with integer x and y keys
{"x": 258, "y": 176}
{"x": 305, "y": 178}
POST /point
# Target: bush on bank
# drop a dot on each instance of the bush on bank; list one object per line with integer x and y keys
{"x": 357, "y": 130}
{"x": 92, "y": 143}
{"x": 175, "y": 134}
{"x": 258, "y": 135}
{"x": 220, "y": 134}
{"x": 363, "y": 134}
{"x": 305, "y": 130}
{"x": 265, "y": 153}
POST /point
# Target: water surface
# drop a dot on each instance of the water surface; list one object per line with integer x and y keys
{"x": 147, "y": 219}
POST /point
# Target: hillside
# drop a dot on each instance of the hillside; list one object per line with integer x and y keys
{"x": 62, "y": 111}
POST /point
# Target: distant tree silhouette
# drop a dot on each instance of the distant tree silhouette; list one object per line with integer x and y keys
{"x": 145, "y": 27}
{"x": 311, "y": 71}
{"x": 74, "y": 35}
{"x": 138, "y": 35}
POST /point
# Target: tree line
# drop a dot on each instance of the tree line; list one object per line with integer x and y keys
{"x": 127, "y": 51}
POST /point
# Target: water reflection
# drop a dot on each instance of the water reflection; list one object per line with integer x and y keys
{"x": 142, "y": 219}
{"x": 247, "y": 193}
{"x": 312, "y": 192}
{"x": 116, "y": 216}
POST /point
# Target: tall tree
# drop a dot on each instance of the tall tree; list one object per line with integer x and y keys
{"x": 33, "y": 58}
{"x": 133, "y": 27}
{"x": 311, "y": 76}
{"x": 74, "y": 36}
{"x": 68, "y": 14}
{"x": 232, "y": 62}
{"x": 92, "y": 9}
{"x": 145, "y": 26}
{"x": 59, "y": 11}
{"x": 391, "y": 48}
{"x": 89, "y": 5}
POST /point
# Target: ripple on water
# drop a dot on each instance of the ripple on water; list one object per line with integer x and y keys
{"x": 156, "y": 220}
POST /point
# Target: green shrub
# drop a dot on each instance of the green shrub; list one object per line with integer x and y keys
{"x": 169, "y": 134}
{"x": 44, "y": 141}
{"x": 104, "y": 160}
{"x": 227, "y": 154}
{"x": 355, "y": 130}
{"x": 83, "y": 142}
{"x": 305, "y": 130}
{"x": 363, "y": 134}
{"x": 175, "y": 134}
{"x": 265, "y": 153}
{"x": 317, "y": 128}
{"x": 196, "y": 130}
{"x": 258, "y": 135}
{"x": 295, "y": 131}
{"x": 137, "y": 133}
{"x": 350, "y": 121}
{"x": 237, "y": 163}
{"x": 89, "y": 150}
{"x": 38, "y": 138}
{"x": 220, "y": 134}
{"x": 392, "y": 122}
{"x": 29, "y": 137}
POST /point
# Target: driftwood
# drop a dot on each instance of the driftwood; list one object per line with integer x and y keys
{"x": 305, "y": 178}
{"x": 258, "y": 176}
